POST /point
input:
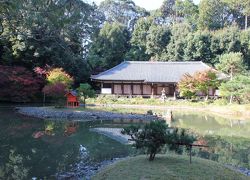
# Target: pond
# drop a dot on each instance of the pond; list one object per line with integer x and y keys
{"x": 228, "y": 139}
{"x": 41, "y": 148}
{"x": 38, "y": 148}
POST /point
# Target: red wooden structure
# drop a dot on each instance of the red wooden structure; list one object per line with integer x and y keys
{"x": 72, "y": 100}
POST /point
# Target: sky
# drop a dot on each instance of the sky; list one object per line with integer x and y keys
{"x": 148, "y": 4}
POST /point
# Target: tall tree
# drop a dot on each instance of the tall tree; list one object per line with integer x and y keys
{"x": 198, "y": 47}
{"x": 238, "y": 88}
{"x": 245, "y": 45}
{"x": 109, "y": 47}
{"x": 52, "y": 32}
{"x": 224, "y": 41}
{"x": 168, "y": 10}
{"x": 175, "y": 49}
{"x": 123, "y": 11}
{"x": 138, "y": 40}
{"x": 231, "y": 63}
{"x": 212, "y": 14}
{"x": 246, "y": 11}
{"x": 187, "y": 10}
{"x": 157, "y": 39}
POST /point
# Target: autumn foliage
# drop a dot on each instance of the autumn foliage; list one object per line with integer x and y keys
{"x": 58, "y": 83}
{"x": 200, "y": 82}
{"x": 55, "y": 90}
{"x": 58, "y": 75}
{"x": 19, "y": 84}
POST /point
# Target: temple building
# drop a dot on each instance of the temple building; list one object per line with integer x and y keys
{"x": 147, "y": 79}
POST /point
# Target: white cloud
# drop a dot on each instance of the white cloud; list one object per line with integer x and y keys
{"x": 147, "y": 4}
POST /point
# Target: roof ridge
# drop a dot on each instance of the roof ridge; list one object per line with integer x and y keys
{"x": 165, "y": 62}
{"x": 95, "y": 76}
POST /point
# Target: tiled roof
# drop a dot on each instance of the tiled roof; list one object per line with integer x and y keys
{"x": 150, "y": 71}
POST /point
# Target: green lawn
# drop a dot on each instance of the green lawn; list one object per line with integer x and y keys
{"x": 219, "y": 106}
{"x": 167, "y": 167}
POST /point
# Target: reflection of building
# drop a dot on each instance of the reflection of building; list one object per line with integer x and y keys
{"x": 72, "y": 100}
{"x": 146, "y": 78}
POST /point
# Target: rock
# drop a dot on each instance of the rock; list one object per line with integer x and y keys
{"x": 38, "y": 134}
{"x": 41, "y": 112}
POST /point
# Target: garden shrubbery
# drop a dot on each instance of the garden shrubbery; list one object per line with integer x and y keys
{"x": 154, "y": 136}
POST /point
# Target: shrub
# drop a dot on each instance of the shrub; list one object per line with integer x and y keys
{"x": 238, "y": 88}
{"x": 153, "y": 136}
{"x": 56, "y": 91}
{"x": 58, "y": 75}
{"x": 85, "y": 91}
{"x": 19, "y": 84}
{"x": 201, "y": 81}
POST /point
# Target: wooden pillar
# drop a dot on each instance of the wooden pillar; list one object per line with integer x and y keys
{"x": 132, "y": 88}
{"x": 152, "y": 90}
{"x": 101, "y": 86}
{"x": 155, "y": 89}
{"x": 174, "y": 88}
{"x": 122, "y": 88}
{"x": 112, "y": 88}
{"x": 141, "y": 88}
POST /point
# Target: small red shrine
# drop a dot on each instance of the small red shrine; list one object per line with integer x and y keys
{"x": 72, "y": 100}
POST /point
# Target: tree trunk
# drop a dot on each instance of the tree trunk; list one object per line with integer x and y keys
{"x": 206, "y": 99}
{"x": 246, "y": 19}
{"x": 84, "y": 102}
{"x": 151, "y": 156}
{"x": 231, "y": 78}
{"x": 44, "y": 99}
{"x": 231, "y": 99}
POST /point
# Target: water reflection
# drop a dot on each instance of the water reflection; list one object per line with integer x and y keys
{"x": 71, "y": 128}
{"x": 228, "y": 139}
{"x": 14, "y": 167}
{"x": 44, "y": 148}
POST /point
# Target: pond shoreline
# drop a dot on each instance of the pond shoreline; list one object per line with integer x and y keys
{"x": 71, "y": 114}
{"x": 223, "y": 111}
{"x": 115, "y": 134}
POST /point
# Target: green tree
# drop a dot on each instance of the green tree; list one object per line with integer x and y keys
{"x": 153, "y": 136}
{"x": 168, "y": 10}
{"x": 138, "y": 40}
{"x": 123, "y": 11}
{"x": 157, "y": 39}
{"x": 56, "y": 33}
{"x": 245, "y": 45}
{"x": 224, "y": 41}
{"x": 85, "y": 91}
{"x": 231, "y": 63}
{"x": 109, "y": 46}
{"x": 198, "y": 47}
{"x": 246, "y": 11}
{"x": 238, "y": 88}
{"x": 235, "y": 11}
{"x": 175, "y": 48}
{"x": 188, "y": 10}
{"x": 211, "y": 14}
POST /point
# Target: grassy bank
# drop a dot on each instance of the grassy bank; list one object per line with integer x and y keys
{"x": 218, "y": 106}
{"x": 167, "y": 167}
